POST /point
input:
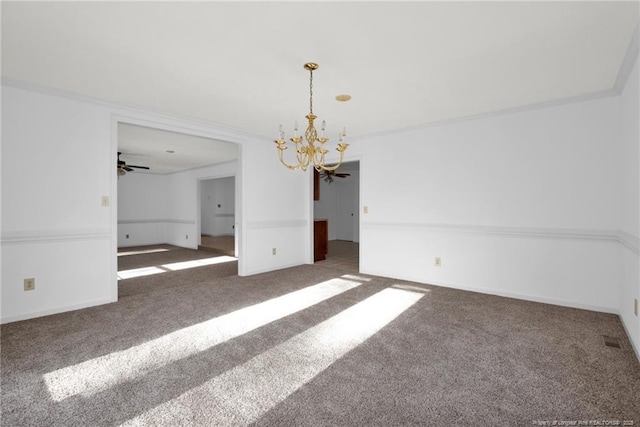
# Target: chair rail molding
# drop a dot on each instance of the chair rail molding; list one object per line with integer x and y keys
{"x": 625, "y": 239}
{"x": 54, "y": 235}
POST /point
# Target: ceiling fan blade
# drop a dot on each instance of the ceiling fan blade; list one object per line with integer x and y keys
{"x": 343, "y": 175}
{"x": 139, "y": 167}
{"x": 127, "y": 168}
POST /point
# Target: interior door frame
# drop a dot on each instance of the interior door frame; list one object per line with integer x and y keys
{"x": 347, "y": 159}
{"x": 156, "y": 121}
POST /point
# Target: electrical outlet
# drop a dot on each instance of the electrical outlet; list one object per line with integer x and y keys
{"x": 29, "y": 284}
{"x": 437, "y": 262}
{"x": 635, "y": 306}
{"x": 186, "y": 236}
{"x": 126, "y": 237}
{"x": 273, "y": 251}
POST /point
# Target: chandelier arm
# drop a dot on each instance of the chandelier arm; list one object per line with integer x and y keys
{"x": 303, "y": 162}
{"x": 281, "y": 149}
{"x": 331, "y": 168}
{"x": 318, "y": 156}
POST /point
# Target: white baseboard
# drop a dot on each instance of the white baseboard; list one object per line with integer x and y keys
{"x": 267, "y": 270}
{"x": 58, "y": 310}
{"x": 507, "y": 294}
{"x": 635, "y": 348}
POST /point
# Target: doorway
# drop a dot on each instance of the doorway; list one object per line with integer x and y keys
{"x": 338, "y": 203}
{"x": 156, "y": 214}
{"x": 217, "y": 215}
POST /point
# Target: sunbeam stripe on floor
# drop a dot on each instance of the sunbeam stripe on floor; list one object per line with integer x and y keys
{"x": 243, "y": 394}
{"x": 94, "y": 375}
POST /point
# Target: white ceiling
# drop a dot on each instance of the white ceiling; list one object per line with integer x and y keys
{"x": 239, "y": 64}
{"x": 168, "y": 152}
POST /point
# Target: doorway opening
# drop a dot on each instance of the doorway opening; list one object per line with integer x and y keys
{"x": 158, "y": 216}
{"x": 337, "y": 201}
{"x": 217, "y": 215}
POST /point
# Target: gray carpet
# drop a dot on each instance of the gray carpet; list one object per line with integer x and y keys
{"x": 312, "y": 345}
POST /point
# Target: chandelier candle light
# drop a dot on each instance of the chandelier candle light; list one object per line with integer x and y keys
{"x": 313, "y": 151}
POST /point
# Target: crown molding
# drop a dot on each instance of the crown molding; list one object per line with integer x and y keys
{"x": 121, "y": 109}
{"x": 628, "y": 62}
{"x": 609, "y": 93}
{"x": 622, "y": 78}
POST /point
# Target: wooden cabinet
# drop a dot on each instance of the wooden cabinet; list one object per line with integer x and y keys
{"x": 316, "y": 185}
{"x": 320, "y": 238}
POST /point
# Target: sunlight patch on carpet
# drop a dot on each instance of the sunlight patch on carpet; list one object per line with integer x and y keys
{"x": 94, "y": 375}
{"x": 139, "y": 272}
{"x": 141, "y": 252}
{"x": 243, "y": 394}
{"x": 175, "y": 266}
{"x": 356, "y": 277}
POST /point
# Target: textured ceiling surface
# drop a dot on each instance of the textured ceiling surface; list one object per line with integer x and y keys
{"x": 239, "y": 64}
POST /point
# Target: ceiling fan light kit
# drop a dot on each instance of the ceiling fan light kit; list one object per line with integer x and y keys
{"x": 123, "y": 167}
{"x": 330, "y": 175}
{"x": 313, "y": 152}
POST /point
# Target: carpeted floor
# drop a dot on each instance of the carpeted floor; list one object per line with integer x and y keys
{"x": 311, "y": 345}
{"x": 342, "y": 253}
{"x": 223, "y": 244}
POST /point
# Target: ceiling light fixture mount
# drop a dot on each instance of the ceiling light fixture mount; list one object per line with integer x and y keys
{"x": 311, "y": 153}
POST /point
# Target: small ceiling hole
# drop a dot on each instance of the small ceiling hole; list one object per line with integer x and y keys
{"x": 612, "y": 342}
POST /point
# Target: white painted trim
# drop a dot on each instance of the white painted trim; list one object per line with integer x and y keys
{"x": 608, "y": 93}
{"x": 532, "y": 298}
{"x": 269, "y": 270}
{"x": 162, "y": 118}
{"x": 34, "y": 314}
{"x": 54, "y": 236}
{"x": 490, "y": 291}
{"x": 636, "y": 350}
{"x": 156, "y": 221}
{"x": 628, "y": 62}
{"x": 282, "y": 223}
{"x": 226, "y": 162}
{"x": 629, "y": 241}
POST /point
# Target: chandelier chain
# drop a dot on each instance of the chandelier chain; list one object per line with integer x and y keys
{"x": 311, "y": 92}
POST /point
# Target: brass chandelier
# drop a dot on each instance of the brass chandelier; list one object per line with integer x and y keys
{"x": 313, "y": 151}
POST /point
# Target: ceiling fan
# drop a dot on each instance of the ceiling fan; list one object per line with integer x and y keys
{"x": 329, "y": 175}
{"x": 123, "y": 167}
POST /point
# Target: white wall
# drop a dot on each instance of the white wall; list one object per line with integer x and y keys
{"x": 523, "y": 204}
{"x": 143, "y": 206}
{"x": 217, "y": 207}
{"x": 58, "y": 161}
{"x": 630, "y": 210}
{"x": 184, "y": 207}
{"x": 57, "y": 164}
{"x": 277, "y": 209}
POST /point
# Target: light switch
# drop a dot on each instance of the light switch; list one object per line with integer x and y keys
{"x": 105, "y": 201}
{"x": 366, "y": 209}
